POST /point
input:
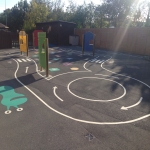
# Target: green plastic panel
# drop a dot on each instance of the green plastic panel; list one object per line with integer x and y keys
{"x": 42, "y": 49}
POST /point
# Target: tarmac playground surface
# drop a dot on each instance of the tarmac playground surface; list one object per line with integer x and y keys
{"x": 87, "y": 102}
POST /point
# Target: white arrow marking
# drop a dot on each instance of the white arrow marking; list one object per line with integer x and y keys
{"x": 126, "y": 108}
{"x": 54, "y": 90}
{"x": 27, "y": 69}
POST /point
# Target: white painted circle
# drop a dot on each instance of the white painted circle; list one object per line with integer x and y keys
{"x": 19, "y": 109}
{"x": 7, "y": 112}
{"x": 124, "y": 90}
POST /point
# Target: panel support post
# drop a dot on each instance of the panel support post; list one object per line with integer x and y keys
{"x": 82, "y": 44}
{"x": 27, "y": 45}
{"x": 47, "y": 58}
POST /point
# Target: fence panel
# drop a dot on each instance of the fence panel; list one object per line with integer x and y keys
{"x": 5, "y": 39}
{"x": 131, "y": 40}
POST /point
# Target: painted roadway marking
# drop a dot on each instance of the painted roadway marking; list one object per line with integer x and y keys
{"x": 19, "y": 60}
{"x": 23, "y": 60}
{"x": 122, "y": 74}
{"x": 126, "y": 108}
{"x": 86, "y": 63}
{"x": 75, "y": 119}
{"x": 28, "y": 59}
{"x": 124, "y": 90}
{"x": 97, "y": 61}
{"x": 106, "y": 76}
{"x": 54, "y": 90}
{"x": 26, "y": 69}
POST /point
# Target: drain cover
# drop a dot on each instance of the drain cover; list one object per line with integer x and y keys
{"x": 89, "y": 136}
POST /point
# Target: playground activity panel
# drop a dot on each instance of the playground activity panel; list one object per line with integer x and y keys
{"x": 23, "y": 42}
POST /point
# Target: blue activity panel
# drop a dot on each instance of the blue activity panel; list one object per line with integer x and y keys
{"x": 88, "y": 36}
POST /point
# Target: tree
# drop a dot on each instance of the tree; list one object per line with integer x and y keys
{"x": 118, "y": 10}
{"x": 15, "y": 16}
{"x": 38, "y": 12}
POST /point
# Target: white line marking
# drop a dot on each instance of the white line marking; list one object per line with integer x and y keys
{"x": 126, "y": 108}
{"x": 64, "y": 73}
{"x": 19, "y": 60}
{"x": 37, "y": 69}
{"x": 98, "y": 61}
{"x": 79, "y": 120}
{"x": 24, "y": 60}
{"x": 106, "y": 75}
{"x": 86, "y": 63}
{"x": 93, "y": 60}
{"x": 28, "y": 59}
{"x": 54, "y": 90}
{"x": 122, "y": 74}
{"x": 101, "y": 61}
{"x": 26, "y": 69}
{"x": 124, "y": 93}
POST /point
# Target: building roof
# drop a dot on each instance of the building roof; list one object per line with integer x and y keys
{"x": 2, "y": 26}
{"x": 58, "y": 21}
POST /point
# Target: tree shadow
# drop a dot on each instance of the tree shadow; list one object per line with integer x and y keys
{"x": 134, "y": 75}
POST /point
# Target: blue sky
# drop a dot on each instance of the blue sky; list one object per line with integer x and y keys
{"x": 11, "y": 3}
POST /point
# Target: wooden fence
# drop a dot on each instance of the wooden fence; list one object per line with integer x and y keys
{"x": 5, "y": 39}
{"x": 9, "y": 39}
{"x": 131, "y": 40}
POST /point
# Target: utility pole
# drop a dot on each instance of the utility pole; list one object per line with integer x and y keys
{"x": 6, "y": 12}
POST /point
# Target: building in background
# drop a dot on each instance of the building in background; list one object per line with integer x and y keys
{"x": 57, "y": 32}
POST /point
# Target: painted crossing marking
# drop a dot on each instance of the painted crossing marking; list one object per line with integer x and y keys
{"x": 19, "y": 60}
{"x": 28, "y": 59}
{"x": 126, "y": 108}
{"x": 93, "y": 60}
{"x": 97, "y": 61}
{"x": 24, "y": 60}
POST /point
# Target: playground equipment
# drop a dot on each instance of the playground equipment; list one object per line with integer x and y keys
{"x": 43, "y": 52}
{"x": 88, "y": 42}
{"x": 23, "y": 42}
{"x": 35, "y": 38}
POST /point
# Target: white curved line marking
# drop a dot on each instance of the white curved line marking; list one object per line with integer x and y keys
{"x": 63, "y": 74}
{"x": 124, "y": 93}
{"x": 54, "y": 90}
{"x": 106, "y": 75}
{"x": 71, "y": 72}
{"x": 79, "y": 120}
{"x": 126, "y": 108}
{"x": 86, "y": 63}
{"x": 122, "y": 74}
{"x": 37, "y": 69}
